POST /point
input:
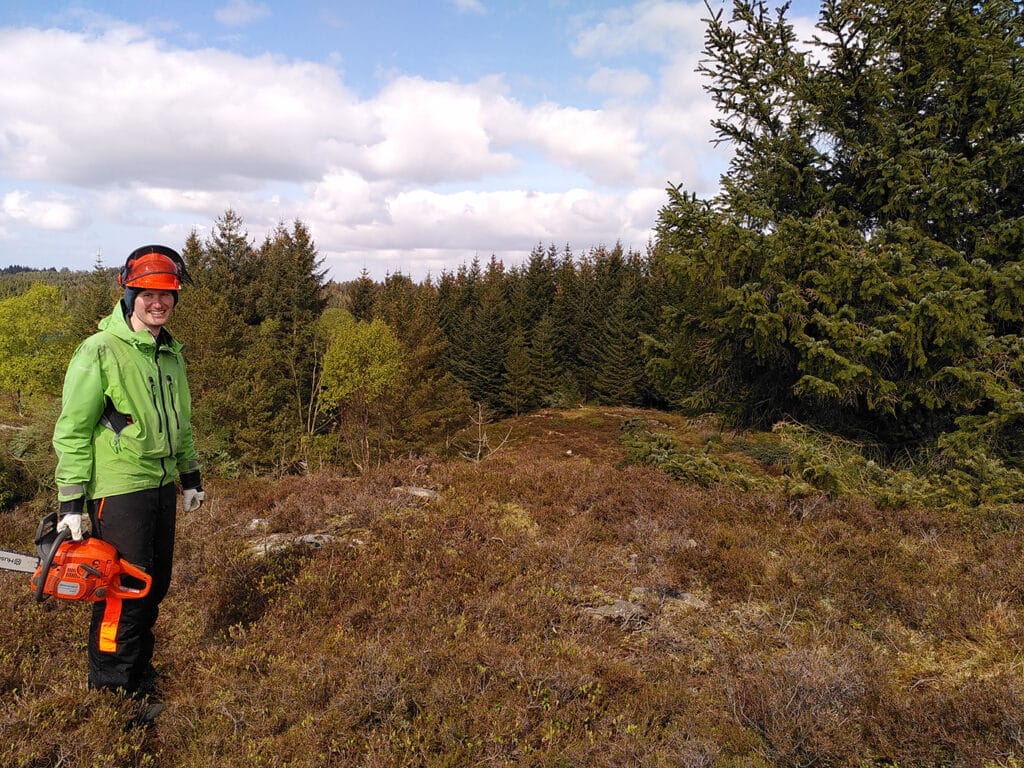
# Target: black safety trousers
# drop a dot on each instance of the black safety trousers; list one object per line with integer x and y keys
{"x": 140, "y": 525}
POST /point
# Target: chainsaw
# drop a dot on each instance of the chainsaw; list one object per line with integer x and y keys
{"x": 85, "y": 570}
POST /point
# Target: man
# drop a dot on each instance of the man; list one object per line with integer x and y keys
{"x": 123, "y": 436}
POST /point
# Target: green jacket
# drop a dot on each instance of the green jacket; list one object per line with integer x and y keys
{"x": 126, "y": 420}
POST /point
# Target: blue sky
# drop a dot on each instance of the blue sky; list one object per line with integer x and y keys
{"x": 408, "y": 136}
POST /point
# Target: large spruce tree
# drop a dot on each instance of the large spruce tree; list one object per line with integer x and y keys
{"x": 249, "y": 323}
{"x": 861, "y": 267}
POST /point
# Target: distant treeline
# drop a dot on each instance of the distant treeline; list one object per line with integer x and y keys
{"x": 288, "y": 368}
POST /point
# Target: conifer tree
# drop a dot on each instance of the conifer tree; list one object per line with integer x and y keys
{"x": 618, "y": 365}
{"x": 289, "y": 299}
{"x": 547, "y": 375}
{"x": 659, "y": 293}
{"x": 431, "y": 403}
{"x": 458, "y": 306}
{"x": 92, "y": 300}
{"x": 226, "y": 264}
{"x": 249, "y": 322}
{"x": 861, "y": 267}
{"x": 204, "y": 322}
{"x": 567, "y": 310}
{"x": 601, "y": 284}
{"x": 518, "y": 393}
{"x": 289, "y": 278}
{"x": 362, "y": 296}
{"x": 488, "y": 340}
{"x": 446, "y": 300}
{"x": 532, "y": 288}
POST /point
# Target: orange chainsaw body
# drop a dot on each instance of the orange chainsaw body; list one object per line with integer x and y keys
{"x": 89, "y": 570}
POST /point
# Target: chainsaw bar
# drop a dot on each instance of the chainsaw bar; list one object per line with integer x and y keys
{"x": 16, "y": 561}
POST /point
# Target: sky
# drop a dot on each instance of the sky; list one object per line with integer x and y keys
{"x": 408, "y": 136}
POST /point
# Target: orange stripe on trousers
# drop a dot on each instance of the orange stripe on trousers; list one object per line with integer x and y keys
{"x": 108, "y": 627}
{"x": 111, "y": 612}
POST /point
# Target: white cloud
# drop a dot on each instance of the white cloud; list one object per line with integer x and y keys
{"x": 190, "y": 200}
{"x": 432, "y": 132}
{"x": 131, "y": 110}
{"x": 603, "y": 145}
{"x": 468, "y": 6}
{"x": 620, "y": 83}
{"x": 163, "y": 139}
{"x": 678, "y": 126}
{"x": 53, "y": 212}
{"x": 668, "y": 107}
{"x": 238, "y": 13}
{"x": 348, "y": 200}
{"x": 501, "y": 221}
{"x": 429, "y": 232}
{"x": 652, "y": 25}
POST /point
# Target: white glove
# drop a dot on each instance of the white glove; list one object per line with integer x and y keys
{"x": 73, "y": 524}
{"x": 192, "y": 499}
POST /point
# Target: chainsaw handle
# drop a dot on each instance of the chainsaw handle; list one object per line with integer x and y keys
{"x": 118, "y": 590}
{"x": 44, "y": 569}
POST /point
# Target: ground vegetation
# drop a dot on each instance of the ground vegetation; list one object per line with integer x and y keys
{"x": 572, "y": 599}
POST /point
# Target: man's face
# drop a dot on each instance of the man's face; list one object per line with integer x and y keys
{"x": 153, "y": 309}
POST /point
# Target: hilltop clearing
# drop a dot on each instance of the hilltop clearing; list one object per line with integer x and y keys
{"x": 552, "y": 604}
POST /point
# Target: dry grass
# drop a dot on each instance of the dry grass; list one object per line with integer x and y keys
{"x": 763, "y": 630}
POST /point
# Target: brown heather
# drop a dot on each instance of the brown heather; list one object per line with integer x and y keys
{"x": 753, "y": 628}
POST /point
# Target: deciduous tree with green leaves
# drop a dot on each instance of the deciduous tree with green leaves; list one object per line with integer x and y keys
{"x": 362, "y": 372}
{"x": 34, "y": 345}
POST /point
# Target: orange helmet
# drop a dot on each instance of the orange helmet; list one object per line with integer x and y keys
{"x": 153, "y": 266}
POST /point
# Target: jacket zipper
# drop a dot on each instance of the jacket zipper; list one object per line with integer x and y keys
{"x": 174, "y": 405}
{"x": 162, "y": 407}
{"x": 163, "y": 404}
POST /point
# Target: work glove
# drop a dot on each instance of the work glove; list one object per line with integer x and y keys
{"x": 71, "y": 518}
{"x": 192, "y": 499}
{"x": 192, "y": 493}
